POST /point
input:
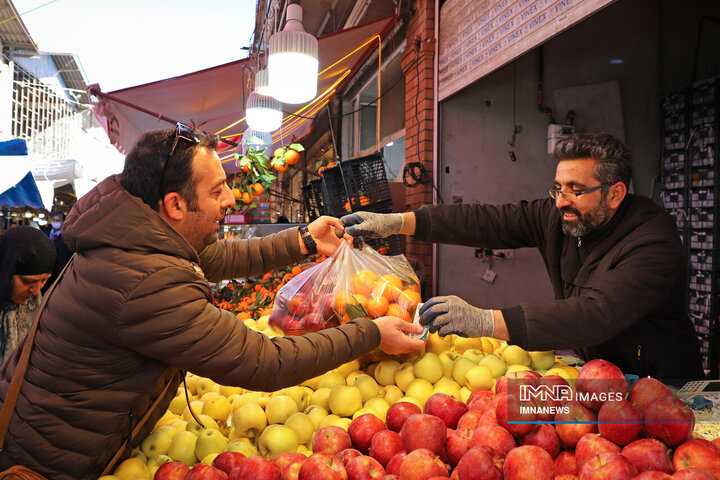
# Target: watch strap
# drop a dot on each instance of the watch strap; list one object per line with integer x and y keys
{"x": 308, "y": 241}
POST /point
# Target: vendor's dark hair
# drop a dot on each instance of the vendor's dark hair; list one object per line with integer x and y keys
{"x": 58, "y": 213}
{"x": 144, "y": 165}
{"x": 613, "y": 155}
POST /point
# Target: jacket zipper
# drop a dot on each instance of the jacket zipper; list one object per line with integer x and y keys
{"x": 579, "y": 242}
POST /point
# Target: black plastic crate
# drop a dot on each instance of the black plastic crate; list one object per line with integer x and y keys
{"x": 704, "y": 92}
{"x": 674, "y": 181}
{"x": 702, "y": 219}
{"x": 702, "y": 157}
{"x": 313, "y": 198}
{"x": 702, "y": 177}
{"x": 673, "y": 103}
{"x": 355, "y": 185}
{"x": 703, "y": 114}
{"x": 673, "y": 199}
{"x": 674, "y": 161}
{"x": 674, "y": 141}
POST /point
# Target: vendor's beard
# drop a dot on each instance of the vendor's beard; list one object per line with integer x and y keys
{"x": 587, "y": 222}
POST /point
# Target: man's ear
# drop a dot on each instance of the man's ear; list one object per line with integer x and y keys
{"x": 617, "y": 195}
{"x": 174, "y": 206}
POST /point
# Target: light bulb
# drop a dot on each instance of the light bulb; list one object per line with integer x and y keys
{"x": 293, "y": 61}
{"x": 263, "y": 113}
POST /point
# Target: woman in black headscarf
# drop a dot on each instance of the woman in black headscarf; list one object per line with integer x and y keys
{"x": 27, "y": 258}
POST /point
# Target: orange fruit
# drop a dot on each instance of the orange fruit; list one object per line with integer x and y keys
{"x": 343, "y": 299}
{"x": 363, "y": 282}
{"x": 291, "y": 156}
{"x": 331, "y": 164}
{"x": 392, "y": 286}
{"x": 279, "y": 152}
{"x": 377, "y": 307}
{"x": 364, "y": 200}
{"x": 320, "y": 171}
{"x": 280, "y": 165}
{"x": 246, "y": 197}
{"x": 258, "y": 188}
{"x": 408, "y": 299}
{"x": 237, "y": 193}
{"x": 395, "y": 310}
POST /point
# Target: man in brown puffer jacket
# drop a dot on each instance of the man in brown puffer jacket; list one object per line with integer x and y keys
{"x": 133, "y": 311}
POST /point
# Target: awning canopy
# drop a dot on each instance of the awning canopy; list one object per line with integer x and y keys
{"x": 214, "y": 98}
{"x": 17, "y": 186}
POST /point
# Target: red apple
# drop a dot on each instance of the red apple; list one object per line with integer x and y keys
{"x": 693, "y": 474}
{"x": 347, "y": 455}
{"x": 479, "y": 404}
{"x": 495, "y": 437}
{"x": 512, "y": 381}
{"x": 484, "y": 394}
{"x": 574, "y": 423}
{"x": 669, "y": 420}
{"x": 566, "y": 476}
{"x": 423, "y": 431}
{"x": 277, "y": 318}
{"x": 398, "y": 413}
{"x": 599, "y": 381}
{"x": 716, "y": 441}
{"x": 490, "y": 416}
{"x": 471, "y": 419}
{"x": 393, "y": 465}
{"x": 458, "y": 443}
{"x": 285, "y": 459}
{"x": 331, "y": 439}
{"x": 299, "y": 305}
{"x": 479, "y": 463}
{"x": 620, "y": 422}
{"x": 648, "y": 454}
{"x": 510, "y": 410}
{"x": 528, "y": 462}
{"x": 363, "y": 467}
{"x": 549, "y": 403}
{"x": 322, "y": 466}
{"x": 362, "y": 429}
{"x": 446, "y": 408}
{"x": 256, "y": 468}
{"x": 591, "y": 445}
{"x": 203, "y": 471}
{"x": 421, "y": 464}
{"x": 608, "y": 466}
{"x": 653, "y": 475}
{"x": 647, "y": 389}
{"x": 389, "y": 476}
{"x": 226, "y": 461}
{"x": 313, "y": 322}
{"x": 565, "y": 464}
{"x": 291, "y": 471}
{"x": 172, "y": 471}
{"x": 698, "y": 453}
{"x": 324, "y": 305}
{"x": 384, "y": 445}
{"x": 544, "y": 437}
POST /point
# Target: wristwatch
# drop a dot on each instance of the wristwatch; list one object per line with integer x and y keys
{"x": 308, "y": 241}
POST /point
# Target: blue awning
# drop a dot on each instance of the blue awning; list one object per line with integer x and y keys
{"x": 20, "y": 189}
{"x": 25, "y": 193}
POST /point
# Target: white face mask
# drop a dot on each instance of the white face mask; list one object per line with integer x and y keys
{"x": 56, "y": 225}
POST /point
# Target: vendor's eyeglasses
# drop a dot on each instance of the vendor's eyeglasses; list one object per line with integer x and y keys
{"x": 554, "y": 192}
{"x": 182, "y": 132}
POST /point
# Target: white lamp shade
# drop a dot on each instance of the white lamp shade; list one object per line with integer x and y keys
{"x": 255, "y": 139}
{"x": 263, "y": 113}
{"x": 293, "y": 61}
{"x": 262, "y": 84}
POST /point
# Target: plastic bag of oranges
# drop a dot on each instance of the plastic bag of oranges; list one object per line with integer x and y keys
{"x": 353, "y": 283}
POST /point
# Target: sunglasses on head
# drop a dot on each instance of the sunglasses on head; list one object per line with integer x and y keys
{"x": 182, "y": 132}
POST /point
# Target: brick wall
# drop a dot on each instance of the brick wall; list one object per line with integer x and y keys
{"x": 417, "y": 65}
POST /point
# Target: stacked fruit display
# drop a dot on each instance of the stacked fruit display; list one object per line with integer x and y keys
{"x": 451, "y": 410}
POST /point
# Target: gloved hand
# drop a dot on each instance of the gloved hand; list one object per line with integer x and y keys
{"x": 452, "y": 315}
{"x": 373, "y": 225}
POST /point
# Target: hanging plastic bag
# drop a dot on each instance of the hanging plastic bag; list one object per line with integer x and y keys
{"x": 353, "y": 283}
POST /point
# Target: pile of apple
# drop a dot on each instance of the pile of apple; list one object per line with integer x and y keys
{"x": 451, "y": 410}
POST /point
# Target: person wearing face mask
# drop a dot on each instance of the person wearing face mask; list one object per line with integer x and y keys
{"x": 27, "y": 258}
{"x": 56, "y": 236}
{"x": 614, "y": 259}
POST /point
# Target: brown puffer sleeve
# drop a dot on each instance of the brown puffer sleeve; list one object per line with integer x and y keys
{"x": 168, "y": 317}
{"x": 249, "y": 257}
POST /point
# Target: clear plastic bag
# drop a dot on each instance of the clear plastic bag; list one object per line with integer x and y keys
{"x": 353, "y": 283}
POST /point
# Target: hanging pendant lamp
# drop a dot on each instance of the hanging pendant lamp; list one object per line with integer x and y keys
{"x": 293, "y": 60}
{"x": 262, "y": 85}
{"x": 254, "y": 139}
{"x": 263, "y": 113}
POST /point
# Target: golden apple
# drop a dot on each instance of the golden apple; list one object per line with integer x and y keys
{"x": 428, "y": 367}
{"x": 391, "y": 394}
{"x": 280, "y": 408}
{"x": 209, "y": 441}
{"x": 420, "y": 389}
{"x": 479, "y": 377}
{"x": 497, "y": 365}
{"x": 249, "y": 420}
{"x": 277, "y": 439}
{"x": 404, "y": 374}
{"x": 369, "y": 388}
{"x": 303, "y": 426}
{"x": 132, "y": 469}
{"x": 182, "y": 448}
{"x": 330, "y": 379}
{"x": 345, "y": 400}
{"x": 317, "y": 413}
{"x": 461, "y": 366}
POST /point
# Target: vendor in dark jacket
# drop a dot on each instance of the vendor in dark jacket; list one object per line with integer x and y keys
{"x": 615, "y": 262}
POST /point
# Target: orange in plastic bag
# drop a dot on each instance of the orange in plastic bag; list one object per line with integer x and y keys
{"x": 353, "y": 283}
